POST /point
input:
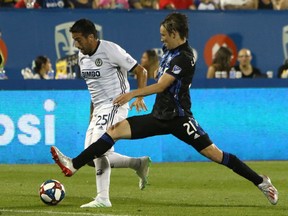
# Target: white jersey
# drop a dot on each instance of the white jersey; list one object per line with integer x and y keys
{"x": 106, "y": 71}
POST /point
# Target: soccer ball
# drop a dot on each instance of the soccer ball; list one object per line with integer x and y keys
{"x": 51, "y": 192}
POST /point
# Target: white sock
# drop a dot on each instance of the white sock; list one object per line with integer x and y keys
{"x": 103, "y": 172}
{"x": 121, "y": 161}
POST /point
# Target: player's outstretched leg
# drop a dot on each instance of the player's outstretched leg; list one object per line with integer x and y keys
{"x": 234, "y": 163}
{"x": 269, "y": 190}
{"x": 143, "y": 171}
{"x": 262, "y": 182}
{"x": 64, "y": 162}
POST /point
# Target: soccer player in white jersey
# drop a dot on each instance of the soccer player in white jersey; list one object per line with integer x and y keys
{"x": 104, "y": 66}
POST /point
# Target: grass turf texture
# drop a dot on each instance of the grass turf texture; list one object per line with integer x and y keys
{"x": 203, "y": 188}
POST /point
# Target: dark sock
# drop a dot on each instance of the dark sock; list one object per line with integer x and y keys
{"x": 96, "y": 149}
{"x": 232, "y": 162}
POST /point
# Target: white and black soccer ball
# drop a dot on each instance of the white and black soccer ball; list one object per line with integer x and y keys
{"x": 52, "y": 192}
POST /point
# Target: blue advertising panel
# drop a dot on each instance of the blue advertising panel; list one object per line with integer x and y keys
{"x": 29, "y": 33}
{"x": 32, "y": 121}
{"x": 249, "y": 122}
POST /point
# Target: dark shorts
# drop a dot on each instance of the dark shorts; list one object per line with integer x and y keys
{"x": 184, "y": 128}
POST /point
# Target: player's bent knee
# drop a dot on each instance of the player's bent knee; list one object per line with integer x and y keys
{"x": 120, "y": 130}
{"x": 213, "y": 153}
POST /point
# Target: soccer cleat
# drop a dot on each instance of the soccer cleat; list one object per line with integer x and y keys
{"x": 143, "y": 171}
{"x": 65, "y": 163}
{"x": 97, "y": 203}
{"x": 269, "y": 190}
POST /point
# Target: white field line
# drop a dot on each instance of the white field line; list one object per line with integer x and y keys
{"x": 55, "y": 212}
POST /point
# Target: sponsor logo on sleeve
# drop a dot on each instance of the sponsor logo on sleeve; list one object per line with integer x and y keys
{"x": 176, "y": 69}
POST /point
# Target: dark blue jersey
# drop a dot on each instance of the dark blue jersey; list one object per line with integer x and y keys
{"x": 175, "y": 100}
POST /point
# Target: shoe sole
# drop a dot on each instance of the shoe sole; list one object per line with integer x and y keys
{"x": 99, "y": 205}
{"x": 67, "y": 172}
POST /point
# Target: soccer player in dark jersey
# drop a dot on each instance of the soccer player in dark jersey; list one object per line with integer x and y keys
{"x": 171, "y": 113}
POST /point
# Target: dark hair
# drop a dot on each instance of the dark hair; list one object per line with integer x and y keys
{"x": 222, "y": 59}
{"x": 38, "y": 62}
{"x": 85, "y": 27}
{"x": 176, "y": 22}
{"x": 152, "y": 55}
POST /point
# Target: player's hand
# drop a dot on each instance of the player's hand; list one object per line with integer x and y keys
{"x": 139, "y": 104}
{"x": 124, "y": 98}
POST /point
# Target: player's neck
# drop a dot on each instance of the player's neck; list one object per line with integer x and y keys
{"x": 95, "y": 47}
{"x": 178, "y": 43}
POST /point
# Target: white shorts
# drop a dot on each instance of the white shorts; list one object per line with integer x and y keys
{"x": 104, "y": 117}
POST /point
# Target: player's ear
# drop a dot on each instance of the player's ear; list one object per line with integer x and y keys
{"x": 174, "y": 34}
{"x": 90, "y": 37}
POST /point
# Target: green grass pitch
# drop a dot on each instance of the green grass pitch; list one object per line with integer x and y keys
{"x": 194, "y": 188}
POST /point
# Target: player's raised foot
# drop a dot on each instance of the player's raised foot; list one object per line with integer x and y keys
{"x": 65, "y": 163}
{"x": 269, "y": 190}
{"x": 143, "y": 171}
{"x": 97, "y": 203}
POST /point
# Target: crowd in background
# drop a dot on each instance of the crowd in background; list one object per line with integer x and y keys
{"x": 221, "y": 67}
{"x": 150, "y": 4}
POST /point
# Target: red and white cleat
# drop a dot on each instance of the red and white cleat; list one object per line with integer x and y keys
{"x": 64, "y": 162}
{"x": 269, "y": 190}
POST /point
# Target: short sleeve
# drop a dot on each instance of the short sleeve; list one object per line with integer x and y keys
{"x": 119, "y": 57}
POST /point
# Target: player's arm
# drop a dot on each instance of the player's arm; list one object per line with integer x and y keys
{"x": 141, "y": 76}
{"x": 163, "y": 83}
